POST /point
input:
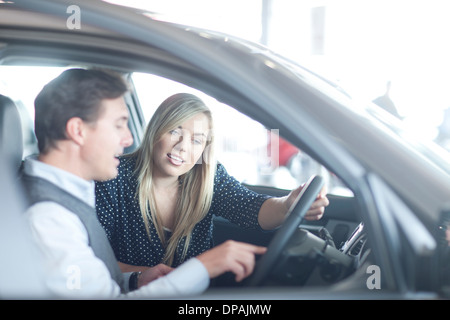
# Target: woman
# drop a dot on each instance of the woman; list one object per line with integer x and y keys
{"x": 161, "y": 205}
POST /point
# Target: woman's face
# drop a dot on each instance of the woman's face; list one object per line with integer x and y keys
{"x": 181, "y": 148}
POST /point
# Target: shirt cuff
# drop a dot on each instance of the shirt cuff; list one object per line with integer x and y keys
{"x": 191, "y": 277}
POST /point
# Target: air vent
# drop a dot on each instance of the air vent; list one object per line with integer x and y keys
{"x": 356, "y": 250}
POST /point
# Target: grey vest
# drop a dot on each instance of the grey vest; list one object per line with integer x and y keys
{"x": 39, "y": 190}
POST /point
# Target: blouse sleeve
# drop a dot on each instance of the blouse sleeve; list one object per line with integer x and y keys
{"x": 235, "y": 202}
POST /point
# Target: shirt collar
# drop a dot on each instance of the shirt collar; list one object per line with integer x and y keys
{"x": 78, "y": 187}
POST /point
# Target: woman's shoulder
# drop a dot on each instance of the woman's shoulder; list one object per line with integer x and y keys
{"x": 220, "y": 169}
{"x": 127, "y": 167}
{"x": 125, "y": 171}
{"x": 222, "y": 177}
{"x": 221, "y": 172}
{"x": 127, "y": 163}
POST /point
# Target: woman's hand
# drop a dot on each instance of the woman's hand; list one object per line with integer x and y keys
{"x": 316, "y": 210}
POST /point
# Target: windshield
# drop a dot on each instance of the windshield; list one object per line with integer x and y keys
{"x": 428, "y": 149}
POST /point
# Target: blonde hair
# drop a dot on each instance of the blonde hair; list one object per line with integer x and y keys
{"x": 198, "y": 181}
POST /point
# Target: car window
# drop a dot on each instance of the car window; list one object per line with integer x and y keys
{"x": 22, "y": 84}
{"x": 250, "y": 152}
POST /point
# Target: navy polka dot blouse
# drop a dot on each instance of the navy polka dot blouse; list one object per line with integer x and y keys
{"x": 119, "y": 213}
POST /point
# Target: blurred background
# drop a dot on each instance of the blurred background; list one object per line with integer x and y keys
{"x": 391, "y": 52}
{"x": 369, "y": 47}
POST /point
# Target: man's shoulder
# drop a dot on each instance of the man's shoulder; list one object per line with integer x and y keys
{"x": 52, "y": 216}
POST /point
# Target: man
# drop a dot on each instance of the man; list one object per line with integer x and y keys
{"x": 81, "y": 123}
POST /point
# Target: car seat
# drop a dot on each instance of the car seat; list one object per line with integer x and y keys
{"x": 11, "y": 141}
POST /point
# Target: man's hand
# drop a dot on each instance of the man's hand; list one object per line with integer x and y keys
{"x": 153, "y": 273}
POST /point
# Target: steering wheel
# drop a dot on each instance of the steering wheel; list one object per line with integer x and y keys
{"x": 280, "y": 239}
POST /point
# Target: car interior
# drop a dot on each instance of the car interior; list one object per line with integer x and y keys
{"x": 11, "y": 135}
{"x": 370, "y": 223}
{"x": 318, "y": 253}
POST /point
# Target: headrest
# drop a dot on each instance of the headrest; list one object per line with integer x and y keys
{"x": 11, "y": 143}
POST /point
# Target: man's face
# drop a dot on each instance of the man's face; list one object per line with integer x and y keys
{"x": 106, "y": 140}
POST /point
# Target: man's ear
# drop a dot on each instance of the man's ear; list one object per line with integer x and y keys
{"x": 75, "y": 130}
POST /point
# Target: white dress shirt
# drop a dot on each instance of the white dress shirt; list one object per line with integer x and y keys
{"x": 71, "y": 268}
